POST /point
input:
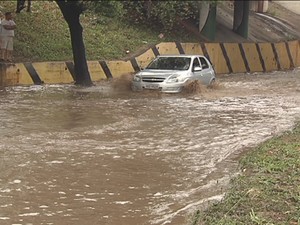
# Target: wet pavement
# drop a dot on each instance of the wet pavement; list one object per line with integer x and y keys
{"x": 105, "y": 155}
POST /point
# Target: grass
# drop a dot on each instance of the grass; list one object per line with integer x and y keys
{"x": 43, "y": 35}
{"x": 268, "y": 189}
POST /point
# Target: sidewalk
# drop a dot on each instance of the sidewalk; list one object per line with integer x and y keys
{"x": 293, "y": 6}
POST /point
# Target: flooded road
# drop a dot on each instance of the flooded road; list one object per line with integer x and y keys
{"x": 90, "y": 156}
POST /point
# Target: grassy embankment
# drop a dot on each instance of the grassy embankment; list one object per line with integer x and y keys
{"x": 268, "y": 189}
{"x": 43, "y": 35}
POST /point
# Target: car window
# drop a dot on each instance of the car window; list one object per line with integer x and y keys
{"x": 204, "y": 63}
{"x": 196, "y": 63}
{"x": 170, "y": 63}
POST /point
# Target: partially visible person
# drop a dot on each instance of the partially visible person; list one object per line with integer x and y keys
{"x": 1, "y": 18}
{"x": 7, "y": 35}
{"x": 20, "y": 5}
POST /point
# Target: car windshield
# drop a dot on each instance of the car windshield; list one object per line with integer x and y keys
{"x": 170, "y": 63}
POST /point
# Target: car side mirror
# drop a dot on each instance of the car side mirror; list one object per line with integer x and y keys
{"x": 197, "y": 68}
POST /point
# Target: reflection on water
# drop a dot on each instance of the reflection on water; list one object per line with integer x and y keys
{"x": 105, "y": 155}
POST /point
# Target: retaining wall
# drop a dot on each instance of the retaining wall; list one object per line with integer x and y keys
{"x": 226, "y": 58}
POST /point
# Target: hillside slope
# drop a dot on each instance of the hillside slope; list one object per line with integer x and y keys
{"x": 43, "y": 35}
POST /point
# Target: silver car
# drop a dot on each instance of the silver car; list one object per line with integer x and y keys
{"x": 170, "y": 73}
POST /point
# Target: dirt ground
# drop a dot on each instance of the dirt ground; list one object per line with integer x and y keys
{"x": 277, "y": 24}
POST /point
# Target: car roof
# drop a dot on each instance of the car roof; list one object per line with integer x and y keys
{"x": 182, "y": 55}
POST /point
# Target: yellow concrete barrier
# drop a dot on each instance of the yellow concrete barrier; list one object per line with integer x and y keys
{"x": 226, "y": 58}
{"x": 252, "y": 56}
{"x": 298, "y": 55}
{"x": 144, "y": 59}
{"x": 53, "y": 72}
{"x": 21, "y": 72}
{"x": 268, "y": 56}
{"x": 168, "y": 48}
{"x": 294, "y": 47}
{"x": 96, "y": 71}
{"x": 283, "y": 56}
{"x": 217, "y": 58}
{"x": 119, "y": 68}
{"x": 235, "y": 57}
{"x": 192, "y": 48}
{"x": 8, "y": 75}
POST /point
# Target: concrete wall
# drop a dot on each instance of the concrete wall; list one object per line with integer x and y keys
{"x": 226, "y": 58}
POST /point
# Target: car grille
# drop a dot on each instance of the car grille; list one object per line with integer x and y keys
{"x": 153, "y": 79}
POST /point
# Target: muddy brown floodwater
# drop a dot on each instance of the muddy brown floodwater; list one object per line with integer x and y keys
{"x": 105, "y": 155}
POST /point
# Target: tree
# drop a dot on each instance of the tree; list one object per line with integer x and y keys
{"x": 71, "y": 10}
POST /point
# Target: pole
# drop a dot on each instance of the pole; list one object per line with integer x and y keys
{"x": 209, "y": 29}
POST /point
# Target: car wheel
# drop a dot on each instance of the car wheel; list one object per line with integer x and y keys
{"x": 212, "y": 83}
{"x": 135, "y": 89}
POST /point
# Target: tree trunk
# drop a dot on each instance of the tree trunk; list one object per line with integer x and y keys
{"x": 71, "y": 11}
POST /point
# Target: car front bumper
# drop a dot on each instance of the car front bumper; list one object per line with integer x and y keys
{"x": 175, "y": 87}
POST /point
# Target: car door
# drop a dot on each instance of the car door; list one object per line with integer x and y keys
{"x": 207, "y": 72}
{"x": 197, "y": 70}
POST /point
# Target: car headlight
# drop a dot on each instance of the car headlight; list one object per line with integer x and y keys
{"x": 173, "y": 79}
{"x": 137, "y": 78}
